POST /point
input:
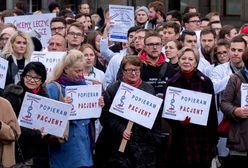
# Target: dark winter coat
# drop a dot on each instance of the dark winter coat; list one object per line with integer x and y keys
{"x": 141, "y": 149}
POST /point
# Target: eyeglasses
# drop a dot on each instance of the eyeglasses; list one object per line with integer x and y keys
{"x": 75, "y": 34}
{"x": 29, "y": 78}
{"x": 194, "y": 21}
{"x": 222, "y": 53}
{"x": 57, "y": 28}
{"x": 152, "y": 45}
{"x": 132, "y": 70}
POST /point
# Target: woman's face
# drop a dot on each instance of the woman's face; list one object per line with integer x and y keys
{"x": 171, "y": 49}
{"x": 76, "y": 70}
{"x": 131, "y": 73}
{"x": 32, "y": 80}
{"x": 89, "y": 57}
{"x": 20, "y": 45}
{"x": 222, "y": 54}
{"x": 187, "y": 62}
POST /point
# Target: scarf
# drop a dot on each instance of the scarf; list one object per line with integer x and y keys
{"x": 35, "y": 91}
{"x": 66, "y": 80}
{"x": 144, "y": 58}
{"x": 188, "y": 75}
{"x": 136, "y": 84}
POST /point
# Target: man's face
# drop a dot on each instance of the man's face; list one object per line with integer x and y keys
{"x": 193, "y": 24}
{"x": 58, "y": 28}
{"x": 84, "y": 21}
{"x": 139, "y": 40}
{"x": 169, "y": 34}
{"x": 57, "y": 43}
{"x": 190, "y": 41}
{"x": 207, "y": 42}
{"x": 85, "y": 9}
{"x": 236, "y": 51}
{"x": 141, "y": 17}
{"x": 131, "y": 39}
{"x": 152, "y": 14}
{"x": 153, "y": 46}
{"x": 75, "y": 36}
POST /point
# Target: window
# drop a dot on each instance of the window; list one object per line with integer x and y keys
{"x": 232, "y": 7}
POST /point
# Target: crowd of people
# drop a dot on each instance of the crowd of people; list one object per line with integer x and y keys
{"x": 186, "y": 50}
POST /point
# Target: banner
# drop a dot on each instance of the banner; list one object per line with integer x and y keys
{"x": 136, "y": 105}
{"x": 122, "y": 18}
{"x": 49, "y": 59}
{"x": 39, "y": 23}
{"x": 180, "y": 103}
{"x": 85, "y": 101}
{"x": 45, "y": 114}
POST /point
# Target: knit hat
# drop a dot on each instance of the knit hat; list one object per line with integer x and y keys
{"x": 142, "y": 8}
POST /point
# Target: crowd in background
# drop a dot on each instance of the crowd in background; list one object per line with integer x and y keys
{"x": 185, "y": 49}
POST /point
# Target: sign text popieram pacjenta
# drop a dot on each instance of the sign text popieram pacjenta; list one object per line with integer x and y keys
{"x": 3, "y": 72}
{"x": 49, "y": 59}
{"x": 42, "y": 113}
{"x": 180, "y": 103}
{"x": 136, "y": 105}
{"x": 85, "y": 101}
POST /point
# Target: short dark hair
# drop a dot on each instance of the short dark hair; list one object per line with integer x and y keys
{"x": 225, "y": 30}
{"x": 58, "y": 19}
{"x": 52, "y": 6}
{"x": 186, "y": 32}
{"x": 238, "y": 39}
{"x": 175, "y": 14}
{"x": 208, "y": 30}
{"x": 38, "y": 68}
{"x": 172, "y": 24}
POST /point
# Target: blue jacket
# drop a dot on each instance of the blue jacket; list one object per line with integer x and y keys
{"x": 76, "y": 152}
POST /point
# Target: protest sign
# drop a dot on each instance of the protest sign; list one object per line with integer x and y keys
{"x": 180, "y": 103}
{"x": 136, "y": 105}
{"x": 244, "y": 95}
{"x": 39, "y": 23}
{"x": 49, "y": 59}
{"x": 85, "y": 101}
{"x": 3, "y": 72}
{"x": 45, "y": 114}
{"x": 122, "y": 18}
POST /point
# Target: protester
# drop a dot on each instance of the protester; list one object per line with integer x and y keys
{"x": 75, "y": 36}
{"x": 76, "y": 151}
{"x": 141, "y": 149}
{"x": 237, "y": 114}
{"x": 17, "y": 51}
{"x": 172, "y": 47}
{"x": 57, "y": 42}
{"x": 9, "y": 133}
{"x": 32, "y": 142}
{"x": 192, "y": 145}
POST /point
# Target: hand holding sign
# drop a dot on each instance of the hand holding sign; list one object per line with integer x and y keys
{"x": 126, "y": 136}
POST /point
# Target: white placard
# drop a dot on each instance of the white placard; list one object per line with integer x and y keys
{"x": 85, "y": 101}
{"x": 3, "y": 72}
{"x": 49, "y": 59}
{"x": 122, "y": 18}
{"x": 180, "y": 103}
{"x": 244, "y": 95}
{"x": 136, "y": 105}
{"x": 42, "y": 113}
{"x": 40, "y": 23}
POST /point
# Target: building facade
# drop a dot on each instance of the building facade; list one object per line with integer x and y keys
{"x": 231, "y": 11}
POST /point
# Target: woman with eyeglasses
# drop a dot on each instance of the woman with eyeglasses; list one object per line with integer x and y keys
{"x": 141, "y": 149}
{"x": 32, "y": 143}
{"x": 76, "y": 151}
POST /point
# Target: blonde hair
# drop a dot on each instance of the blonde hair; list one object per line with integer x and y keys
{"x": 8, "y": 49}
{"x": 68, "y": 60}
{"x": 195, "y": 52}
